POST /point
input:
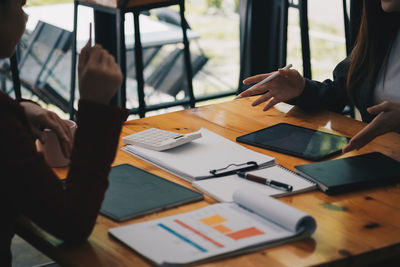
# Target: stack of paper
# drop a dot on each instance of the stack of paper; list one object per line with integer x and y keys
{"x": 195, "y": 160}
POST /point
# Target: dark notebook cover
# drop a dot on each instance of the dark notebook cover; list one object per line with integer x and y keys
{"x": 347, "y": 174}
{"x": 134, "y": 192}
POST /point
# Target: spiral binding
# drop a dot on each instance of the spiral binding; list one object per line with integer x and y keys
{"x": 298, "y": 175}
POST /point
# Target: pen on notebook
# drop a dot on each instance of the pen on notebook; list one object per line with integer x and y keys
{"x": 268, "y": 79}
{"x": 269, "y": 182}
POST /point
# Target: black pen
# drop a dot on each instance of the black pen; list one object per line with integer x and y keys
{"x": 269, "y": 182}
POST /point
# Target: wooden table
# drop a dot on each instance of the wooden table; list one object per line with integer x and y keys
{"x": 353, "y": 229}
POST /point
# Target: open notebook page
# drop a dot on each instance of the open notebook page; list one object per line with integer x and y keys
{"x": 222, "y": 188}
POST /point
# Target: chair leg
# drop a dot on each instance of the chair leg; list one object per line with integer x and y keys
{"x": 284, "y": 7}
{"x": 188, "y": 64}
{"x": 305, "y": 39}
{"x": 121, "y": 55}
{"x": 346, "y": 27}
{"x": 73, "y": 64}
{"x": 139, "y": 65}
{"x": 15, "y": 76}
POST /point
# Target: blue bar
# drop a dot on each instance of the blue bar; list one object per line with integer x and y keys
{"x": 182, "y": 237}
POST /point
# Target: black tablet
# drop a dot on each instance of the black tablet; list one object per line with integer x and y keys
{"x": 134, "y": 192}
{"x": 297, "y": 141}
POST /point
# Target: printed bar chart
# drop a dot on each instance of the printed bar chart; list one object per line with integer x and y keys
{"x": 222, "y": 229}
{"x": 245, "y": 233}
{"x": 216, "y": 221}
{"x": 183, "y": 238}
{"x": 199, "y": 233}
{"x": 212, "y": 220}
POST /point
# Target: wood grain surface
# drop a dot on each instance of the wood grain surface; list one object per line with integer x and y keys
{"x": 353, "y": 229}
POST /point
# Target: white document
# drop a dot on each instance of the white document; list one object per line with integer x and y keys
{"x": 195, "y": 160}
{"x": 254, "y": 220}
{"x": 222, "y": 188}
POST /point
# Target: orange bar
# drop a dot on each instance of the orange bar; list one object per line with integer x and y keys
{"x": 199, "y": 233}
{"x": 222, "y": 229}
{"x": 212, "y": 220}
{"x": 245, "y": 233}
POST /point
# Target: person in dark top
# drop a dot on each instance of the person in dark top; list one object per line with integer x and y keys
{"x": 369, "y": 77}
{"x": 29, "y": 187}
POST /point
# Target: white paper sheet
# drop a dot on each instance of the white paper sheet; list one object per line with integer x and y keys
{"x": 194, "y": 160}
{"x": 213, "y": 230}
{"x": 222, "y": 188}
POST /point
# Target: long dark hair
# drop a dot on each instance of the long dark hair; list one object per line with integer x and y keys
{"x": 377, "y": 31}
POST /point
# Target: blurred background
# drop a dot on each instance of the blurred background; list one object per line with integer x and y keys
{"x": 215, "y": 25}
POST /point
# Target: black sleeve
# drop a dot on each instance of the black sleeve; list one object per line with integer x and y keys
{"x": 330, "y": 95}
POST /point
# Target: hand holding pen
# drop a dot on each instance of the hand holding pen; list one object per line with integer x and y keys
{"x": 280, "y": 86}
{"x": 265, "y": 181}
{"x": 99, "y": 74}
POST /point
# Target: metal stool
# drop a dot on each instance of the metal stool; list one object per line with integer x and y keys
{"x": 109, "y": 28}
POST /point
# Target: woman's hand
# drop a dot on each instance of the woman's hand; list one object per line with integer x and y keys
{"x": 99, "y": 75}
{"x": 40, "y": 118}
{"x": 387, "y": 120}
{"x": 288, "y": 85}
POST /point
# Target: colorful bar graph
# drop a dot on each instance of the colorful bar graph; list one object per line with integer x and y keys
{"x": 199, "y": 233}
{"x": 222, "y": 229}
{"x": 245, "y": 233}
{"x": 213, "y": 220}
{"x": 183, "y": 238}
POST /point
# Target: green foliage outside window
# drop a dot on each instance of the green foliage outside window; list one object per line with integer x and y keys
{"x": 218, "y": 4}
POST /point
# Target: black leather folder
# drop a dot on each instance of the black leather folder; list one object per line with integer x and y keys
{"x": 352, "y": 173}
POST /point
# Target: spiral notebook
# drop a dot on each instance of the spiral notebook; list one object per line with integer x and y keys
{"x": 223, "y": 188}
{"x": 253, "y": 221}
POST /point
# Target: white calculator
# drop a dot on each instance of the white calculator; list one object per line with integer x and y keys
{"x": 157, "y": 139}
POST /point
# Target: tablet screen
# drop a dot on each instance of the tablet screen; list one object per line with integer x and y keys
{"x": 296, "y": 140}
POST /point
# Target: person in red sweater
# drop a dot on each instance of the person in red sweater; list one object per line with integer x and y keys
{"x": 67, "y": 209}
